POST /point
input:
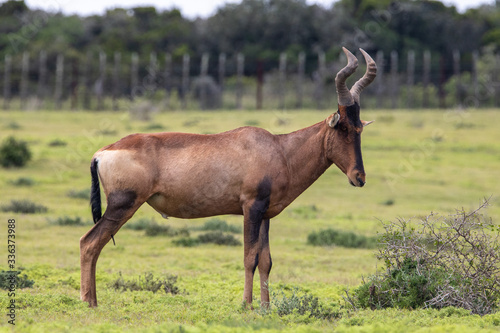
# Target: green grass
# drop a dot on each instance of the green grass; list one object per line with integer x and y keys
{"x": 416, "y": 162}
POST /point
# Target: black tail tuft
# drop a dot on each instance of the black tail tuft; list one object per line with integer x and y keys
{"x": 95, "y": 193}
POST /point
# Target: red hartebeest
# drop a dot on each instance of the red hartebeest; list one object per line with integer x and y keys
{"x": 246, "y": 171}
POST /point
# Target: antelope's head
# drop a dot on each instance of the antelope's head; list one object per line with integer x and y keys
{"x": 343, "y": 146}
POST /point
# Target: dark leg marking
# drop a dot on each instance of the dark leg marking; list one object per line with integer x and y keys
{"x": 256, "y": 263}
{"x": 119, "y": 203}
{"x": 259, "y": 208}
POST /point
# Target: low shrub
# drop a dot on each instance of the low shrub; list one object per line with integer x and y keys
{"x": 79, "y": 194}
{"x": 303, "y": 305}
{"x": 214, "y": 237}
{"x": 57, "y": 143}
{"x": 23, "y": 181}
{"x": 148, "y": 283}
{"x": 219, "y": 238}
{"x": 305, "y": 212}
{"x": 332, "y": 237}
{"x": 66, "y": 220}
{"x": 140, "y": 224}
{"x": 155, "y": 229}
{"x": 7, "y": 278}
{"x": 14, "y": 153}
{"x": 217, "y": 224}
{"x": 24, "y": 207}
{"x": 438, "y": 262}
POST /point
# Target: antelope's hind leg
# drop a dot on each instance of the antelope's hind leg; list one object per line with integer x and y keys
{"x": 121, "y": 206}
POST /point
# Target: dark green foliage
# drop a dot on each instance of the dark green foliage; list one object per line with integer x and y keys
{"x": 57, "y": 143}
{"x": 79, "y": 194}
{"x": 66, "y": 220}
{"x": 155, "y": 229}
{"x": 23, "y": 181}
{"x": 440, "y": 262}
{"x": 140, "y": 224}
{"x": 304, "y": 304}
{"x": 21, "y": 281}
{"x": 403, "y": 287}
{"x": 305, "y": 212}
{"x": 14, "y": 153}
{"x": 147, "y": 283}
{"x": 217, "y": 224}
{"x": 186, "y": 242}
{"x": 219, "y": 238}
{"x": 331, "y": 237}
{"x": 23, "y": 207}
{"x": 214, "y": 237}
{"x": 154, "y": 127}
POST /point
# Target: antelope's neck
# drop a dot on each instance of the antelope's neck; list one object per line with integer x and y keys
{"x": 304, "y": 151}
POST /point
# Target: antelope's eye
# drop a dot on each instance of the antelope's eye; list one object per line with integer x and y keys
{"x": 343, "y": 128}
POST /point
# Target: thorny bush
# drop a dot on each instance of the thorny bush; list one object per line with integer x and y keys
{"x": 437, "y": 262}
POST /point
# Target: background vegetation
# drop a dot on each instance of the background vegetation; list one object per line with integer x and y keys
{"x": 416, "y": 162}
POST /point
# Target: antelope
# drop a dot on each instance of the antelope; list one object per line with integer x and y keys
{"x": 246, "y": 171}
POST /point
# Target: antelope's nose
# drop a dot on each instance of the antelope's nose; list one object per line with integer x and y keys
{"x": 357, "y": 178}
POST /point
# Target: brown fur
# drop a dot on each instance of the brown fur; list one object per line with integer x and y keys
{"x": 246, "y": 171}
{"x": 191, "y": 175}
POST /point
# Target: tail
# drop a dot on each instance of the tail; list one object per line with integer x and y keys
{"x": 95, "y": 192}
{"x": 95, "y": 195}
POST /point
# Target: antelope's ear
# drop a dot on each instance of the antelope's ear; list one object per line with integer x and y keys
{"x": 335, "y": 119}
{"x": 366, "y": 123}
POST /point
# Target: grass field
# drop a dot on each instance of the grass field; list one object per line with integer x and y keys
{"x": 416, "y": 162}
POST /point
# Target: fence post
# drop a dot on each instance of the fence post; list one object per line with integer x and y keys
{"x": 42, "y": 79}
{"x": 496, "y": 81}
{"x": 300, "y": 79}
{"x": 59, "y": 80}
{"x": 394, "y": 79}
{"x": 282, "y": 80}
{"x": 87, "y": 70}
{"x": 185, "y": 79}
{"x": 134, "y": 75}
{"x": 380, "y": 82}
{"x": 240, "y": 65}
{"x": 25, "y": 66}
{"x": 116, "y": 79}
{"x": 168, "y": 77}
{"x": 320, "y": 81}
{"x": 411, "y": 78}
{"x": 100, "y": 81}
{"x": 426, "y": 78}
{"x": 222, "y": 71}
{"x": 74, "y": 83}
{"x": 7, "y": 92}
{"x": 203, "y": 75}
{"x": 475, "y": 57}
{"x": 456, "y": 73}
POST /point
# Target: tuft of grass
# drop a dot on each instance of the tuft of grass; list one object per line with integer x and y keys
{"x": 252, "y": 122}
{"x": 10, "y": 278}
{"x": 23, "y": 181}
{"x": 331, "y": 237}
{"x": 155, "y": 127}
{"x": 217, "y": 224}
{"x": 140, "y": 224}
{"x": 147, "y": 283}
{"x": 79, "y": 194}
{"x": 214, "y": 237}
{"x": 219, "y": 238}
{"x": 155, "y": 229}
{"x": 14, "y": 153}
{"x": 24, "y": 207}
{"x": 66, "y": 220}
{"x": 301, "y": 304}
{"x": 13, "y": 125}
{"x": 57, "y": 143}
{"x": 305, "y": 212}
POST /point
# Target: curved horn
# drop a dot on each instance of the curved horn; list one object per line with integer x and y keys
{"x": 344, "y": 95}
{"x": 370, "y": 74}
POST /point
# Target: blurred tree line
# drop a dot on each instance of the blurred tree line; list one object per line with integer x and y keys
{"x": 259, "y": 29}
